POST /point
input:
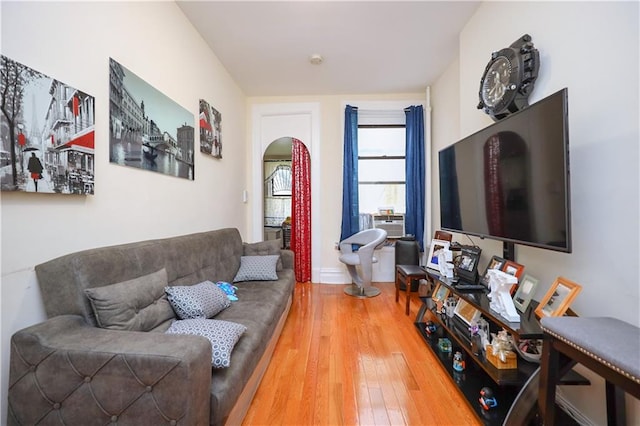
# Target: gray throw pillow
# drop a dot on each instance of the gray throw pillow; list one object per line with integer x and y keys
{"x": 264, "y": 248}
{"x": 139, "y": 304}
{"x": 223, "y": 336}
{"x": 203, "y": 300}
{"x": 257, "y": 268}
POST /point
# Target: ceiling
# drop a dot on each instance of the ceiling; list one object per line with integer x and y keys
{"x": 368, "y": 47}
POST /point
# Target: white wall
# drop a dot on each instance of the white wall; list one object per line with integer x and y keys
{"x": 72, "y": 42}
{"x": 591, "y": 48}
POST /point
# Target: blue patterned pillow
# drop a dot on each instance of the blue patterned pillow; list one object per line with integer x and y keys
{"x": 223, "y": 336}
{"x": 264, "y": 248}
{"x": 202, "y": 300}
{"x": 257, "y": 268}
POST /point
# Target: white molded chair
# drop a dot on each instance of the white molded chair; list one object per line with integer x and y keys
{"x": 366, "y": 241}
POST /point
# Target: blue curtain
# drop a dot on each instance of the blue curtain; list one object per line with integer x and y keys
{"x": 415, "y": 198}
{"x": 350, "y": 210}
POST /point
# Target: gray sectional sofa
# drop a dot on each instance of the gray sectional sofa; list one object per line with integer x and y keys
{"x": 68, "y": 370}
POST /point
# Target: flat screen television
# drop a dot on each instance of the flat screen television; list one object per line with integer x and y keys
{"x": 510, "y": 181}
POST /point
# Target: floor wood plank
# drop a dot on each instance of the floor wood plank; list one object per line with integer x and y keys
{"x": 346, "y": 361}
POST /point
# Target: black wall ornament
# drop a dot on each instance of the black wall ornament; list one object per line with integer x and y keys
{"x": 509, "y": 78}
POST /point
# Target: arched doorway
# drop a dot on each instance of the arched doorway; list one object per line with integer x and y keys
{"x": 287, "y": 200}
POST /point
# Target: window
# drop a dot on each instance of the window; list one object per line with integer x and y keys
{"x": 381, "y": 168}
{"x": 281, "y": 181}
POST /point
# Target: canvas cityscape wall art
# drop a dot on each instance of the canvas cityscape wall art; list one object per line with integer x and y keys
{"x": 47, "y": 133}
{"x": 147, "y": 129}
{"x": 210, "y": 130}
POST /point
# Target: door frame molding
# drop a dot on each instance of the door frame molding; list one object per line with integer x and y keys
{"x": 270, "y": 122}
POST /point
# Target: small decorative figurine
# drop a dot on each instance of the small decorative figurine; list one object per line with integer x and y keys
{"x": 458, "y": 377}
{"x": 501, "y": 345}
{"x": 487, "y": 400}
{"x": 474, "y": 329}
{"x": 450, "y": 306}
{"x": 501, "y": 302}
{"x": 444, "y": 344}
{"x": 229, "y": 289}
{"x": 483, "y": 332}
{"x": 458, "y": 361}
{"x": 445, "y": 265}
{"x": 430, "y": 327}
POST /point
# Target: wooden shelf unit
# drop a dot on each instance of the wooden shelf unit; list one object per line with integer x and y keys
{"x": 479, "y": 372}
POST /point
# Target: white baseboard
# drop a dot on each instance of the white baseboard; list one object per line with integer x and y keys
{"x": 341, "y": 276}
{"x": 384, "y": 270}
{"x": 572, "y": 411}
{"x": 334, "y": 276}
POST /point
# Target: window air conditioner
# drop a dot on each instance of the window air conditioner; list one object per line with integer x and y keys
{"x": 392, "y": 223}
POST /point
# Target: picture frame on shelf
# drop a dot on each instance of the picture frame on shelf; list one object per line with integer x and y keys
{"x": 436, "y": 246}
{"x": 467, "y": 267}
{"x": 512, "y": 268}
{"x": 525, "y": 292}
{"x": 496, "y": 262}
{"x": 466, "y": 312}
{"x": 558, "y": 298}
{"x": 440, "y": 293}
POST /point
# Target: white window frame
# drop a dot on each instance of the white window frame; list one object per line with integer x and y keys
{"x": 384, "y": 157}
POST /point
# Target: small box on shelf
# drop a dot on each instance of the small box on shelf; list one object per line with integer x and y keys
{"x": 511, "y": 359}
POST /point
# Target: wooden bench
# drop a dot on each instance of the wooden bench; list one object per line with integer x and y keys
{"x": 607, "y": 346}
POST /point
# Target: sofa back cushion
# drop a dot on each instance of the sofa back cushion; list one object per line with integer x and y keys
{"x": 188, "y": 259}
{"x": 139, "y": 304}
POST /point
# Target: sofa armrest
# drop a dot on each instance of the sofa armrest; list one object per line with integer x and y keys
{"x": 287, "y": 259}
{"x": 66, "y": 371}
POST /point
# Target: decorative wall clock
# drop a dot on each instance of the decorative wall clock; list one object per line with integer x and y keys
{"x": 508, "y": 79}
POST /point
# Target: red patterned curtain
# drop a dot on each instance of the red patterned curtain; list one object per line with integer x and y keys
{"x": 493, "y": 185}
{"x": 301, "y": 211}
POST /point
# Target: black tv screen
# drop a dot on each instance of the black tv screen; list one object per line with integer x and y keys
{"x": 510, "y": 181}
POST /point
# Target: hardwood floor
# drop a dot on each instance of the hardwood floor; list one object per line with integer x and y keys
{"x": 347, "y": 361}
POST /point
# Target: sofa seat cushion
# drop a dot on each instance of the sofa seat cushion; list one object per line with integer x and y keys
{"x": 203, "y": 300}
{"x": 139, "y": 304}
{"x": 266, "y": 302}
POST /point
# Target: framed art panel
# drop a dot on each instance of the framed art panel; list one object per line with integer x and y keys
{"x": 48, "y": 133}
{"x": 148, "y": 130}
{"x": 210, "y": 124}
{"x": 557, "y": 300}
{"x": 436, "y": 246}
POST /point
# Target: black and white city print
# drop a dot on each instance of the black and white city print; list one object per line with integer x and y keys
{"x": 147, "y": 129}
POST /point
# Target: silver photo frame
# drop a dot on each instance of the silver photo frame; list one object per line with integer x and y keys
{"x": 525, "y": 292}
